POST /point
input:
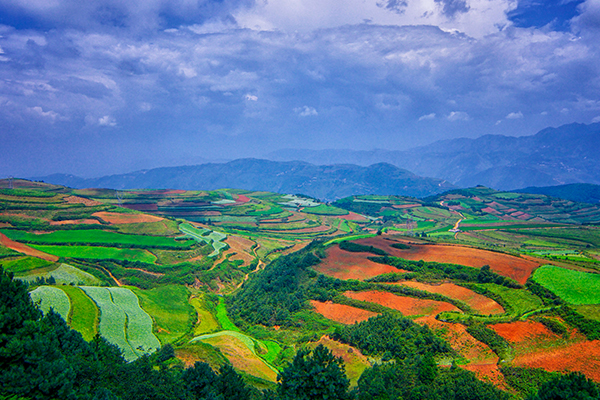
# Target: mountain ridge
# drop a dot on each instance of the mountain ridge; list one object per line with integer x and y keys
{"x": 327, "y": 182}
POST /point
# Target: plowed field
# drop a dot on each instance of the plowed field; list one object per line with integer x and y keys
{"x": 481, "y": 359}
{"x": 341, "y": 313}
{"x": 120, "y": 218}
{"x": 478, "y": 302}
{"x": 406, "y": 305}
{"x": 524, "y": 331}
{"x": 583, "y": 357}
{"x": 513, "y": 267}
{"x": 241, "y": 248}
{"x": 347, "y": 265}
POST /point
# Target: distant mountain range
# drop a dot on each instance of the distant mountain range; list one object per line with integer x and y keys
{"x": 580, "y": 192}
{"x": 325, "y": 182}
{"x": 553, "y": 156}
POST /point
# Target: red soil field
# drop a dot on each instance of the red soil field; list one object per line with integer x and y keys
{"x": 482, "y": 360}
{"x": 347, "y": 265}
{"x": 581, "y": 357}
{"x": 243, "y": 199}
{"x": 351, "y": 216}
{"x": 341, "y": 313}
{"x": 524, "y": 331}
{"x": 513, "y": 267}
{"x": 119, "y": 218}
{"x": 401, "y": 206}
{"x": 22, "y": 248}
{"x": 406, "y": 305}
{"x": 479, "y": 303}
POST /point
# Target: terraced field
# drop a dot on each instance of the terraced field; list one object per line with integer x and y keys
{"x": 51, "y": 297}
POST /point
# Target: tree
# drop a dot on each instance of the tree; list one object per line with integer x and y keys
{"x": 574, "y": 386}
{"x": 314, "y": 376}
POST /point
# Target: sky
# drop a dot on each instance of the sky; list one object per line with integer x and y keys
{"x": 100, "y": 87}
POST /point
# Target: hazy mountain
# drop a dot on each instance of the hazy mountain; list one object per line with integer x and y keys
{"x": 327, "y": 182}
{"x": 553, "y": 156}
{"x": 581, "y": 192}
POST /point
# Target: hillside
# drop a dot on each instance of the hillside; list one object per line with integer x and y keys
{"x": 553, "y": 156}
{"x": 501, "y": 285}
{"x": 580, "y": 192}
{"x": 328, "y": 182}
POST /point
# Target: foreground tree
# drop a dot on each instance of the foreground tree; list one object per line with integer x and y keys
{"x": 316, "y": 376}
{"x": 574, "y": 386}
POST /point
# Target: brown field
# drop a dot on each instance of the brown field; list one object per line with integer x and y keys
{"x": 352, "y": 216}
{"x": 401, "y": 206}
{"x": 341, "y": 313}
{"x": 23, "y": 248}
{"x": 316, "y": 229}
{"x": 120, "y": 218}
{"x": 406, "y": 305}
{"x": 241, "y": 248}
{"x": 242, "y": 199}
{"x": 354, "y": 360}
{"x": 524, "y": 331}
{"x": 75, "y": 222}
{"x": 513, "y": 267}
{"x": 241, "y": 358}
{"x": 347, "y": 265}
{"x": 581, "y": 357}
{"x": 82, "y": 200}
{"x": 479, "y": 303}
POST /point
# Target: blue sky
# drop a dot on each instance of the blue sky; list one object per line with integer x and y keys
{"x": 101, "y": 87}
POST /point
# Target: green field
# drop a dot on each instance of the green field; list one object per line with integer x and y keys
{"x": 23, "y": 265}
{"x": 122, "y": 322}
{"x": 96, "y": 237}
{"x": 169, "y": 308}
{"x": 206, "y": 321}
{"x": 203, "y": 235}
{"x": 520, "y": 300}
{"x": 50, "y": 297}
{"x": 96, "y": 252}
{"x": 574, "y": 287}
{"x": 324, "y": 209}
{"x": 65, "y": 275}
{"x": 139, "y": 323}
{"x": 223, "y": 318}
{"x": 84, "y": 315}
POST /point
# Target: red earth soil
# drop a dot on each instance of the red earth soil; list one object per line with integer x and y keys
{"x": 351, "y": 216}
{"x": 481, "y": 359}
{"x": 479, "y": 303}
{"x": 341, "y": 313}
{"x": 521, "y": 331}
{"x": 119, "y": 218}
{"x": 401, "y": 206}
{"x": 22, "y": 248}
{"x": 581, "y": 357}
{"x": 243, "y": 199}
{"x": 513, "y": 267}
{"x": 347, "y": 265}
{"x": 406, "y": 305}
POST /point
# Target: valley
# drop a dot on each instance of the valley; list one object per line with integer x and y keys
{"x": 248, "y": 278}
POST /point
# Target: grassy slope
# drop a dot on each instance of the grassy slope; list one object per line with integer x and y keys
{"x": 574, "y": 287}
{"x": 84, "y": 314}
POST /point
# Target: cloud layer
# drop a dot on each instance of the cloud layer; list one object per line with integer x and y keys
{"x": 173, "y": 82}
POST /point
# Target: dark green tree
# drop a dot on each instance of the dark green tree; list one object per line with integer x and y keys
{"x": 574, "y": 386}
{"x": 314, "y": 376}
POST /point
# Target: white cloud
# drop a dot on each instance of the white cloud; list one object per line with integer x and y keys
{"x": 52, "y": 115}
{"x": 251, "y": 97}
{"x": 306, "y": 111}
{"x": 458, "y": 116}
{"x": 596, "y": 119}
{"x": 515, "y": 115}
{"x": 427, "y": 117}
{"x": 107, "y": 120}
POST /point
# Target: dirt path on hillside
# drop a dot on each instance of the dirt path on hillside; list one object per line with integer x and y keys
{"x": 23, "y": 248}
